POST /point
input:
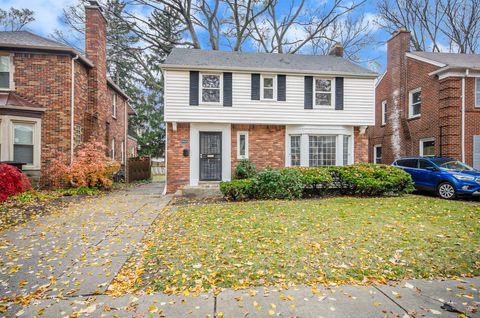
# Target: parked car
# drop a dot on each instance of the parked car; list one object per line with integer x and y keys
{"x": 448, "y": 177}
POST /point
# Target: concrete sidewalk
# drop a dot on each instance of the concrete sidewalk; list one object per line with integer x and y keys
{"x": 76, "y": 251}
{"x": 414, "y": 298}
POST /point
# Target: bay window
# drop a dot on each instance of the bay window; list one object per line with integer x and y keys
{"x": 322, "y": 150}
{"x": 23, "y": 142}
{"x": 295, "y": 150}
{"x": 211, "y": 88}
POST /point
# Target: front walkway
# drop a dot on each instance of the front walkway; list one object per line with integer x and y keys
{"x": 76, "y": 251}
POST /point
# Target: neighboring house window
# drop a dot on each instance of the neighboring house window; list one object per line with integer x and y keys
{"x": 377, "y": 154}
{"x": 23, "y": 143}
{"x": 268, "y": 87}
{"x": 78, "y": 135}
{"x": 295, "y": 150}
{"x": 427, "y": 147}
{"x": 112, "y": 152}
{"x": 322, "y": 150}
{"x": 133, "y": 152}
{"x": 346, "y": 149}
{"x": 114, "y": 105}
{"x": 384, "y": 112}
{"x": 477, "y": 91}
{"x": 415, "y": 103}
{"x": 5, "y": 72}
{"x": 242, "y": 151}
{"x": 323, "y": 92}
{"x": 211, "y": 88}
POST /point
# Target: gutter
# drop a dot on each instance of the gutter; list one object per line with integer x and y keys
{"x": 72, "y": 109}
{"x": 463, "y": 115}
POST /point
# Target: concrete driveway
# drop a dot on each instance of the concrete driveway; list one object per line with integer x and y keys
{"x": 76, "y": 251}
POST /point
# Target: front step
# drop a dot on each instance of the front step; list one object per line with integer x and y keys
{"x": 202, "y": 191}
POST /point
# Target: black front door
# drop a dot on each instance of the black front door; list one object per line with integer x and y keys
{"x": 210, "y": 156}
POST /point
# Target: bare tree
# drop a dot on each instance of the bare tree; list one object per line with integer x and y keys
{"x": 15, "y": 19}
{"x": 435, "y": 25}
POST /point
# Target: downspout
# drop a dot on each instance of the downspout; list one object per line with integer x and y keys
{"x": 72, "y": 109}
{"x": 125, "y": 143}
{"x": 463, "y": 115}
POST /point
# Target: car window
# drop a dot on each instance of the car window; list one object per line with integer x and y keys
{"x": 424, "y": 164}
{"x": 407, "y": 163}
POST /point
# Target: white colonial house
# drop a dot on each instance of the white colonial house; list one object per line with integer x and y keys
{"x": 273, "y": 109}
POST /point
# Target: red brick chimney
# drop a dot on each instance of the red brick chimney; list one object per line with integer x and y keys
{"x": 96, "y": 51}
{"x": 337, "y": 50}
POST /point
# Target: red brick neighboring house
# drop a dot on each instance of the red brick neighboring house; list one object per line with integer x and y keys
{"x": 273, "y": 109}
{"x": 52, "y": 98}
{"x": 426, "y": 104}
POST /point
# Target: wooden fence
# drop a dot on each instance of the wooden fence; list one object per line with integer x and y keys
{"x": 139, "y": 169}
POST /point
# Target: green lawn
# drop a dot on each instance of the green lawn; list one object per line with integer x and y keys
{"x": 339, "y": 240}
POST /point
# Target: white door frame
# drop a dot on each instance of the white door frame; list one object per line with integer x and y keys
{"x": 226, "y": 131}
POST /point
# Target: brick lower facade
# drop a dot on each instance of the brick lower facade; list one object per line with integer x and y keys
{"x": 266, "y": 147}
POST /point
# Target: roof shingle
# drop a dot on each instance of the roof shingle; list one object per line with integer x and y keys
{"x": 452, "y": 59}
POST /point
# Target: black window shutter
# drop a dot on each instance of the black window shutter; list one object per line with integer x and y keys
{"x": 255, "y": 86}
{"x": 194, "y": 88}
{"x": 308, "y": 92}
{"x": 281, "y": 88}
{"x": 227, "y": 89}
{"x": 339, "y": 93}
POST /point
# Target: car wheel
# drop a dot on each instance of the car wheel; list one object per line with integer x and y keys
{"x": 446, "y": 191}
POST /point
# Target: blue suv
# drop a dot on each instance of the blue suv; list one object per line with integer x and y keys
{"x": 448, "y": 177}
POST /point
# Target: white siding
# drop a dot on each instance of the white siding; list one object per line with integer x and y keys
{"x": 359, "y": 96}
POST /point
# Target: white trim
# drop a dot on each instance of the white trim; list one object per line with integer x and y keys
{"x": 424, "y": 59}
{"x": 226, "y": 131}
{"x": 112, "y": 150}
{"x": 11, "y": 70}
{"x": 7, "y": 135}
{"x": 239, "y": 156}
{"x": 37, "y": 109}
{"x": 200, "y": 88}
{"x": 383, "y": 112}
{"x": 375, "y": 152}
{"x": 122, "y": 152}
{"x": 114, "y": 104}
{"x": 379, "y": 79}
{"x": 421, "y": 142}
{"x": 477, "y": 92}
{"x": 410, "y": 102}
{"x": 274, "y": 80}
{"x": 332, "y": 92}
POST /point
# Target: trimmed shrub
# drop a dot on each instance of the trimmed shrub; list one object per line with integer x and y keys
{"x": 372, "y": 179}
{"x": 315, "y": 176}
{"x": 237, "y": 189}
{"x": 12, "y": 182}
{"x": 278, "y": 184}
{"x": 245, "y": 170}
{"x": 90, "y": 168}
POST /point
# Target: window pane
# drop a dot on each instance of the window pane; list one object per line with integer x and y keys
{"x": 211, "y": 95}
{"x": 242, "y": 145}
{"x": 322, "y": 151}
{"x": 4, "y": 63}
{"x": 408, "y": 163}
{"x": 295, "y": 150}
{"x": 23, "y": 153}
{"x": 346, "y": 147}
{"x": 323, "y": 85}
{"x": 268, "y": 93}
{"x": 424, "y": 164}
{"x": 23, "y": 134}
{"x": 428, "y": 148}
{"x": 416, "y": 109}
{"x": 378, "y": 155}
{"x": 323, "y": 99}
{"x": 267, "y": 82}
{"x": 4, "y": 80}
{"x": 211, "y": 81}
{"x": 416, "y": 97}
{"x": 478, "y": 91}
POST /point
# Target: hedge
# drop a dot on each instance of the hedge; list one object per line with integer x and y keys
{"x": 298, "y": 182}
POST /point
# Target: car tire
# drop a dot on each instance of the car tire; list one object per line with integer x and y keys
{"x": 446, "y": 190}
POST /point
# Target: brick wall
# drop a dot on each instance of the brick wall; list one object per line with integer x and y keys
{"x": 440, "y": 113}
{"x": 178, "y": 170}
{"x": 266, "y": 145}
{"x": 116, "y": 125}
{"x": 361, "y": 145}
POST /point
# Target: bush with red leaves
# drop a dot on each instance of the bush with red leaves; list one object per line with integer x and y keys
{"x": 12, "y": 181}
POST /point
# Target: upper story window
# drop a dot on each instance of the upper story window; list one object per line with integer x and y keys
{"x": 415, "y": 104}
{"x": 268, "y": 87}
{"x": 384, "y": 112}
{"x": 211, "y": 88}
{"x": 323, "y": 92}
{"x": 114, "y": 105}
{"x": 5, "y": 72}
{"x": 477, "y": 92}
